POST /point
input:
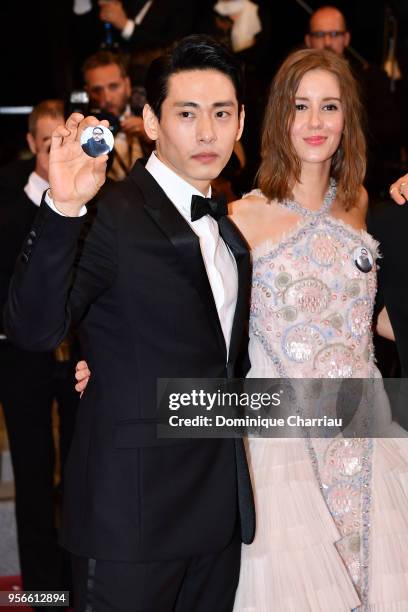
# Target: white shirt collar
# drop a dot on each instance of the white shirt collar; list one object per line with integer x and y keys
{"x": 176, "y": 189}
{"x": 35, "y": 188}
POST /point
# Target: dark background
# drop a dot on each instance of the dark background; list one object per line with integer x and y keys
{"x": 37, "y": 47}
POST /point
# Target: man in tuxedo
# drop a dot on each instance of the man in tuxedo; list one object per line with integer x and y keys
{"x": 389, "y": 225}
{"x": 161, "y": 291}
{"x": 30, "y": 380}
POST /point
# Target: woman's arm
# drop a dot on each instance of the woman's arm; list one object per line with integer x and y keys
{"x": 384, "y": 327}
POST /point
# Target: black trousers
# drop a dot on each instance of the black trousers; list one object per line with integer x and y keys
{"x": 28, "y": 383}
{"x": 200, "y": 584}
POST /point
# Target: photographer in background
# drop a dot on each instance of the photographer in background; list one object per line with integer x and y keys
{"x": 108, "y": 85}
{"x": 30, "y": 381}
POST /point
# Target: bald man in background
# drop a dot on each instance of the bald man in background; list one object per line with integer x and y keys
{"x": 382, "y": 108}
{"x": 328, "y": 30}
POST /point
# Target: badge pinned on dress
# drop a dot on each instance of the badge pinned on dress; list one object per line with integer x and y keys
{"x": 97, "y": 140}
{"x": 363, "y": 259}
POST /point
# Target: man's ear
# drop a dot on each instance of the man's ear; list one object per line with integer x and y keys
{"x": 31, "y": 143}
{"x": 308, "y": 42}
{"x": 241, "y": 122}
{"x": 347, "y": 38}
{"x": 151, "y": 122}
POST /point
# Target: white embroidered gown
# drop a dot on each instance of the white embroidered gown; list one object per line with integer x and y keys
{"x": 332, "y": 515}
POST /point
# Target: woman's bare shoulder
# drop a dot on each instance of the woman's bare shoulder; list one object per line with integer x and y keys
{"x": 246, "y": 205}
{"x": 243, "y": 212}
{"x": 356, "y": 215}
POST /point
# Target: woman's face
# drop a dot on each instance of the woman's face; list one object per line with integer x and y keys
{"x": 319, "y": 119}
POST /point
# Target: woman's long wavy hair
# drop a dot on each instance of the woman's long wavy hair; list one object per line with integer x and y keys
{"x": 280, "y": 168}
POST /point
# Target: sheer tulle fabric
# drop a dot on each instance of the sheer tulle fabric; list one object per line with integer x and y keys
{"x": 311, "y": 312}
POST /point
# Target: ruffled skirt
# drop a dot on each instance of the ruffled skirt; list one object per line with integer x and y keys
{"x": 299, "y": 560}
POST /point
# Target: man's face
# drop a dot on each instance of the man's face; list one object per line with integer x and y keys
{"x": 328, "y": 31}
{"x": 108, "y": 89}
{"x": 199, "y": 125}
{"x": 40, "y": 143}
{"x": 97, "y": 134}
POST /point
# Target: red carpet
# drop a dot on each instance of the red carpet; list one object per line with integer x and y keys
{"x": 12, "y": 583}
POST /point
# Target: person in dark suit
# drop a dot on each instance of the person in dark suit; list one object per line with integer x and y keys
{"x": 153, "y": 524}
{"x": 388, "y": 223}
{"x": 328, "y": 30}
{"x": 134, "y": 23}
{"x": 96, "y": 144}
{"x": 30, "y": 380}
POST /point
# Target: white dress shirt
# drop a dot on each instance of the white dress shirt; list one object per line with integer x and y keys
{"x": 51, "y": 204}
{"x": 131, "y": 23}
{"x": 82, "y": 6}
{"x": 218, "y": 260}
{"x": 35, "y": 188}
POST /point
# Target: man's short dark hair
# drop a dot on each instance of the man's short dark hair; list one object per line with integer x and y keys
{"x": 102, "y": 59}
{"x": 196, "y": 52}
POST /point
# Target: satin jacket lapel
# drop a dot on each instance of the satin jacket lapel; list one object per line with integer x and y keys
{"x": 182, "y": 237}
{"x": 232, "y": 236}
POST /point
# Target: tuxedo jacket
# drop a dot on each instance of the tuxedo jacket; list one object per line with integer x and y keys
{"x": 17, "y": 213}
{"x": 142, "y": 300}
{"x": 388, "y": 223}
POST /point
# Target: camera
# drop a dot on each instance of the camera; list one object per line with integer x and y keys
{"x": 78, "y": 102}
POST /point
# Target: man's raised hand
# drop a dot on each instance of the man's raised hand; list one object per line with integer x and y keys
{"x": 75, "y": 177}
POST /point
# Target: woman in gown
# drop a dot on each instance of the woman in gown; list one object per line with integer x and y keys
{"x": 332, "y": 514}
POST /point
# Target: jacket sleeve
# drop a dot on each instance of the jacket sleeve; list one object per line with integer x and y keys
{"x": 52, "y": 287}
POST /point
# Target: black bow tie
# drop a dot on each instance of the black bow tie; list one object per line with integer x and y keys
{"x": 216, "y": 207}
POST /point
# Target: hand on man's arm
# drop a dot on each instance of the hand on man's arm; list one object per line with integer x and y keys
{"x": 82, "y": 374}
{"x": 399, "y": 190}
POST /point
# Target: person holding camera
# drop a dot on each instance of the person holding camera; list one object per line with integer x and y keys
{"x": 108, "y": 85}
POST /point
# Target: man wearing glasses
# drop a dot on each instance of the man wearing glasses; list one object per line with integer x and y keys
{"x": 383, "y": 108}
{"x": 328, "y": 30}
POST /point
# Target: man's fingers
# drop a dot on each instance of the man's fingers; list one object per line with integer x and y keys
{"x": 399, "y": 191}
{"x": 58, "y": 136}
{"x": 81, "y": 375}
{"x": 100, "y": 166}
{"x": 81, "y": 365}
{"x": 81, "y": 386}
{"x": 82, "y": 371}
{"x": 72, "y": 123}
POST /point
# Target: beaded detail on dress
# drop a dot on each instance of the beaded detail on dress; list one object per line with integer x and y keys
{"x": 311, "y": 312}
{"x": 311, "y": 305}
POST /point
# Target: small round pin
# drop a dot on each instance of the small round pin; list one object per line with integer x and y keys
{"x": 97, "y": 140}
{"x": 363, "y": 259}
